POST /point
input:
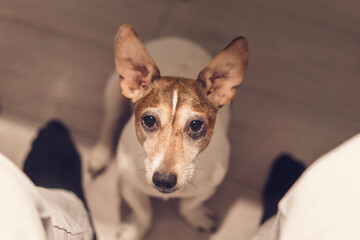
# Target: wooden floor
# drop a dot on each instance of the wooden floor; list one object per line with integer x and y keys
{"x": 301, "y": 93}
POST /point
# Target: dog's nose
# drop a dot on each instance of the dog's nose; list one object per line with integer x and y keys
{"x": 166, "y": 181}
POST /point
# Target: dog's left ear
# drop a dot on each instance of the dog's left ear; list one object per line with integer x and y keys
{"x": 136, "y": 68}
{"x": 225, "y": 72}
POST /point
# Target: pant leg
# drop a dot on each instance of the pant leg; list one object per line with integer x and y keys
{"x": 324, "y": 203}
{"x": 21, "y": 207}
{"x": 28, "y": 212}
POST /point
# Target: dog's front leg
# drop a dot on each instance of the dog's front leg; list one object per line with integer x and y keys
{"x": 198, "y": 215}
{"x": 141, "y": 217}
{"x": 117, "y": 112}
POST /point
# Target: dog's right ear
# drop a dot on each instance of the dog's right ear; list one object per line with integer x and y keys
{"x": 133, "y": 63}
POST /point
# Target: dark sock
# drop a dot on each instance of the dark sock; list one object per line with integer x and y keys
{"x": 284, "y": 173}
{"x": 53, "y": 161}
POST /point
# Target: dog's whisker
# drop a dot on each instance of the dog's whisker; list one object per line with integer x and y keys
{"x": 192, "y": 184}
{"x": 139, "y": 156}
{"x": 182, "y": 190}
{"x": 195, "y": 179}
{"x": 199, "y": 168}
{"x": 142, "y": 173}
{"x": 196, "y": 168}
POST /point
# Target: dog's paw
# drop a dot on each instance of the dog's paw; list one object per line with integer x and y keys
{"x": 100, "y": 158}
{"x": 128, "y": 231}
{"x": 201, "y": 218}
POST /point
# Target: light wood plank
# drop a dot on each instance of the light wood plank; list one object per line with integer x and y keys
{"x": 264, "y": 127}
{"x": 47, "y": 77}
{"x": 91, "y": 21}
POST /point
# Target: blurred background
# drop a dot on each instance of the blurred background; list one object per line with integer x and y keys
{"x": 301, "y": 92}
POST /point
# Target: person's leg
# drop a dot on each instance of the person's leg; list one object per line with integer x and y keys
{"x": 53, "y": 161}
{"x": 55, "y": 165}
{"x": 28, "y": 212}
{"x": 324, "y": 202}
{"x": 22, "y": 211}
{"x": 283, "y": 174}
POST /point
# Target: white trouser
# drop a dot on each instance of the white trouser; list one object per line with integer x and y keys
{"x": 28, "y": 212}
{"x": 325, "y": 201}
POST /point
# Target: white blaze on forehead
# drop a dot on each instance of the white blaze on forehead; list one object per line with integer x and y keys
{"x": 174, "y": 102}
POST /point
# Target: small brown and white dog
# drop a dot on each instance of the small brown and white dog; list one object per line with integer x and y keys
{"x": 172, "y": 133}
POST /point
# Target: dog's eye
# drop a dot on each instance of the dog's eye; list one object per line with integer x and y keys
{"x": 149, "y": 121}
{"x": 196, "y": 125}
{"x": 197, "y": 129}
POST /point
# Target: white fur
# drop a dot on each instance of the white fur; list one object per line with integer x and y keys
{"x": 157, "y": 161}
{"x": 174, "y": 103}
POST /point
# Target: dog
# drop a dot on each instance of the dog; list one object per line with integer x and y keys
{"x": 177, "y": 133}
